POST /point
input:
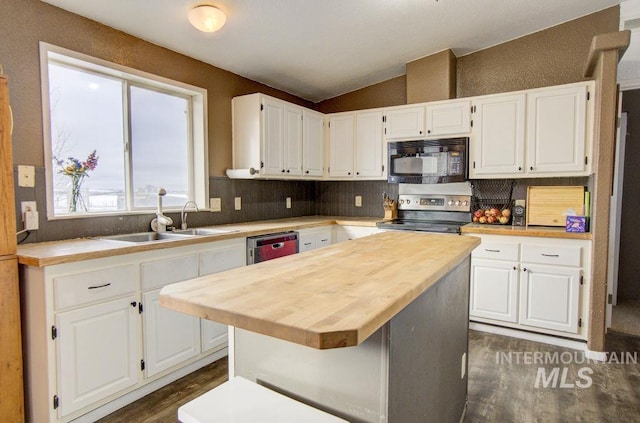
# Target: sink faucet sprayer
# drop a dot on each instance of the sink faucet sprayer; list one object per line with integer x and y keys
{"x": 183, "y": 215}
{"x": 162, "y": 221}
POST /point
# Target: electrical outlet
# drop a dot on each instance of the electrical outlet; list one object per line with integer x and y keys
{"x": 28, "y": 206}
{"x": 237, "y": 201}
{"x": 26, "y": 176}
{"x": 288, "y": 202}
{"x": 215, "y": 204}
{"x": 358, "y": 201}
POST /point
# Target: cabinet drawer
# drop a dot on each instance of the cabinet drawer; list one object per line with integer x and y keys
{"x": 496, "y": 250}
{"x": 548, "y": 254}
{"x": 157, "y": 274}
{"x": 97, "y": 285}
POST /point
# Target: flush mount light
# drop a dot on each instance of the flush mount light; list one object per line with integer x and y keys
{"x": 207, "y": 18}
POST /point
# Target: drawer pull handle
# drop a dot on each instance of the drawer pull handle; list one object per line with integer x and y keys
{"x": 99, "y": 286}
{"x": 550, "y": 255}
{"x": 491, "y": 251}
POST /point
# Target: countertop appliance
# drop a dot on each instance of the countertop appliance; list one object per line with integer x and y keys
{"x": 432, "y": 211}
{"x": 428, "y": 161}
{"x": 268, "y": 247}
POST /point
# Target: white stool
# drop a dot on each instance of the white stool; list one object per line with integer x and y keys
{"x": 241, "y": 401}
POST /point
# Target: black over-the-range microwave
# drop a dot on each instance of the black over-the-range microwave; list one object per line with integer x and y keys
{"x": 428, "y": 161}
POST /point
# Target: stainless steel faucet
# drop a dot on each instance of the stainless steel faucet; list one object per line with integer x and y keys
{"x": 183, "y": 215}
{"x": 162, "y": 221}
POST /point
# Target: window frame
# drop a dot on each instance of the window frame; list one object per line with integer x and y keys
{"x": 198, "y": 171}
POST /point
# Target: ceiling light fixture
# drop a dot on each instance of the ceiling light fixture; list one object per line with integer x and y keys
{"x": 207, "y": 18}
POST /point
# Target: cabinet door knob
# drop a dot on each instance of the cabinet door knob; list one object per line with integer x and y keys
{"x": 531, "y": 168}
{"x": 519, "y": 167}
{"x": 515, "y": 268}
{"x": 357, "y": 173}
{"x": 524, "y": 270}
{"x": 287, "y": 170}
{"x": 134, "y": 304}
{"x": 282, "y": 170}
{"x": 348, "y": 173}
{"x": 306, "y": 171}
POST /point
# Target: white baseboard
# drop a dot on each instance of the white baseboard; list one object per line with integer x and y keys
{"x": 530, "y": 336}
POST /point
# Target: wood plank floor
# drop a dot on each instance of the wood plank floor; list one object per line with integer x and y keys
{"x": 498, "y": 391}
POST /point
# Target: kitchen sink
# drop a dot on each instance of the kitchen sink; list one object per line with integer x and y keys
{"x": 204, "y": 231}
{"x": 147, "y": 237}
{"x": 167, "y": 236}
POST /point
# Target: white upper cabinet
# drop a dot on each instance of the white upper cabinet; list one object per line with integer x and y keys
{"x": 545, "y": 132}
{"x": 447, "y": 118}
{"x": 556, "y": 130}
{"x": 404, "y": 123}
{"x": 273, "y": 136}
{"x": 270, "y": 138}
{"x": 497, "y": 146}
{"x": 312, "y": 143}
{"x": 293, "y": 140}
{"x": 341, "y": 144}
{"x": 356, "y": 145}
{"x": 369, "y": 143}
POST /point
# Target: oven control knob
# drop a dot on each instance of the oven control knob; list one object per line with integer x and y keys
{"x": 408, "y": 201}
{"x": 450, "y": 202}
{"x": 401, "y": 201}
{"x": 457, "y": 202}
{"x": 466, "y": 203}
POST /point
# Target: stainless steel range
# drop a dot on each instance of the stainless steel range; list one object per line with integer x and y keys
{"x": 443, "y": 209}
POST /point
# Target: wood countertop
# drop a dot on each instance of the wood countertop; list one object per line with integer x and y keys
{"x": 72, "y": 250}
{"x": 332, "y": 297}
{"x": 534, "y": 231}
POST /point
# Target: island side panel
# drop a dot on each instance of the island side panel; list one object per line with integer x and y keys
{"x": 350, "y": 382}
{"x": 427, "y": 342}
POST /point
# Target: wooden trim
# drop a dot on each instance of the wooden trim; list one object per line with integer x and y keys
{"x": 611, "y": 41}
{"x": 12, "y": 403}
{"x": 7, "y": 198}
{"x": 602, "y": 67}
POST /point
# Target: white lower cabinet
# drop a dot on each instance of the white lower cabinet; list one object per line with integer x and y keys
{"x": 550, "y": 297}
{"x": 97, "y": 350}
{"x": 494, "y": 293}
{"x": 170, "y": 337}
{"x": 96, "y": 332}
{"x": 533, "y": 284}
{"x": 226, "y": 256}
{"x": 313, "y": 238}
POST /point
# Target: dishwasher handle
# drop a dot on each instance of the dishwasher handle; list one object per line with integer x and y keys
{"x": 277, "y": 245}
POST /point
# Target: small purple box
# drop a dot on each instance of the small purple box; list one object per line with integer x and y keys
{"x": 576, "y": 223}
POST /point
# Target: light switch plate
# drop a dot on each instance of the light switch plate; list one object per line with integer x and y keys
{"x": 358, "y": 201}
{"x": 26, "y": 176}
{"x": 237, "y": 201}
{"x": 215, "y": 204}
{"x": 288, "y": 202}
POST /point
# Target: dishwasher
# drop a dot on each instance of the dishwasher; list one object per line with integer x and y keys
{"x": 268, "y": 247}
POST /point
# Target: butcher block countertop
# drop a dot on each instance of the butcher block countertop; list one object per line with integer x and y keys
{"x": 332, "y": 297}
{"x": 72, "y": 250}
{"x": 536, "y": 231}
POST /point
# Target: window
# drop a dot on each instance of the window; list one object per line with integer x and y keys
{"x": 114, "y": 136}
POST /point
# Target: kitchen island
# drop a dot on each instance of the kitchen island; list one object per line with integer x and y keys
{"x": 371, "y": 330}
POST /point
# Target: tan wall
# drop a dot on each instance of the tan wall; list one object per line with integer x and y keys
{"x": 23, "y": 23}
{"x": 432, "y": 78}
{"x": 553, "y": 56}
{"x": 388, "y": 93}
